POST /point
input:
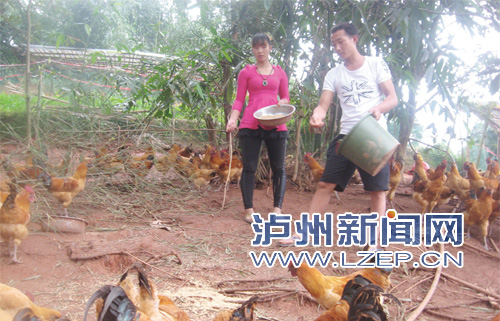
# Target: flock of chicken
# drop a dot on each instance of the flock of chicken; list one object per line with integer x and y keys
{"x": 199, "y": 167}
{"x": 478, "y": 193}
{"x": 352, "y": 297}
{"x": 134, "y": 298}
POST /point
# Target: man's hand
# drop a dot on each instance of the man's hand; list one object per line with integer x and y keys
{"x": 376, "y": 113}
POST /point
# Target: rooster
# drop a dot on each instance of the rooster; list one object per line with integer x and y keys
{"x": 243, "y": 313}
{"x": 327, "y": 290}
{"x": 136, "y": 298}
{"x": 359, "y": 294}
{"x": 14, "y": 216}
{"x": 66, "y": 188}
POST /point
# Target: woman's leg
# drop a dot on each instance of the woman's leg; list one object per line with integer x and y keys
{"x": 276, "y": 148}
{"x": 250, "y": 148}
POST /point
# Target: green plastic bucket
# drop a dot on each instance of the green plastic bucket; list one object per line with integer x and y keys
{"x": 368, "y": 145}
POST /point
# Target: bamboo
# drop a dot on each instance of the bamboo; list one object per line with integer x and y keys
{"x": 28, "y": 75}
{"x": 481, "y": 143}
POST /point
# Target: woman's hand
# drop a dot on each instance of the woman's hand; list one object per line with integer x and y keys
{"x": 231, "y": 126}
{"x": 282, "y": 101}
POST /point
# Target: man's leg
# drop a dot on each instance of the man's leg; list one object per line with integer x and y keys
{"x": 377, "y": 204}
{"x": 321, "y": 198}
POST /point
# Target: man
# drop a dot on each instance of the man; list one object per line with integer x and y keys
{"x": 363, "y": 85}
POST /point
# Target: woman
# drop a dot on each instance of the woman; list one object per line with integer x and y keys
{"x": 264, "y": 83}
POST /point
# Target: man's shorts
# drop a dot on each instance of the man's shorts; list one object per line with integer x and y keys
{"x": 339, "y": 170}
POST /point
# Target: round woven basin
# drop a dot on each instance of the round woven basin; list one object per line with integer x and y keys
{"x": 64, "y": 224}
{"x": 274, "y": 115}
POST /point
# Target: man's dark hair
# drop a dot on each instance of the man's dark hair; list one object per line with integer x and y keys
{"x": 349, "y": 28}
{"x": 260, "y": 38}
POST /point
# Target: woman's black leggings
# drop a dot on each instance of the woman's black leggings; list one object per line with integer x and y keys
{"x": 250, "y": 149}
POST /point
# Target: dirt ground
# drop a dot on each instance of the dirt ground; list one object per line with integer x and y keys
{"x": 197, "y": 254}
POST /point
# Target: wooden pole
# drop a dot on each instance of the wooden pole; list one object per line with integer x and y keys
{"x": 28, "y": 76}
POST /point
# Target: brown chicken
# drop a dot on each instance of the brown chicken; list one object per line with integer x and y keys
{"x": 327, "y": 290}
{"x": 234, "y": 173}
{"x": 139, "y": 166}
{"x": 477, "y": 212}
{"x": 13, "y": 302}
{"x": 456, "y": 182}
{"x": 360, "y": 298}
{"x": 420, "y": 167}
{"x": 495, "y": 213}
{"x": 14, "y": 216}
{"x": 164, "y": 163}
{"x": 394, "y": 180}
{"x": 200, "y": 177}
{"x": 113, "y": 304}
{"x": 477, "y": 182}
{"x": 109, "y": 162}
{"x": 22, "y": 171}
{"x": 139, "y": 291}
{"x": 66, "y": 188}
{"x": 433, "y": 189}
{"x": 316, "y": 169}
{"x": 243, "y": 313}
{"x": 493, "y": 168}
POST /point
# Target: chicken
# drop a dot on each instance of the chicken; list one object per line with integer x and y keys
{"x": 205, "y": 160}
{"x": 316, "y": 169}
{"x": 394, "y": 180}
{"x": 360, "y": 298}
{"x": 327, "y": 290}
{"x": 243, "y": 313}
{"x": 215, "y": 159}
{"x": 14, "y": 305}
{"x": 22, "y": 171}
{"x": 493, "y": 169}
{"x": 495, "y": 213}
{"x": 234, "y": 172}
{"x": 66, "y": 188}
{"x": 477, "y": 182}
{"x": 14, "y": 216}
{"x": 200, "y": 177}
{"x": 109, "y": 162}
{"x": 366, "y": 304}
{"x": 113, "y": 304}
{"x": 164, "y": 163}
{"x": 142, "y": 293}
{"x": 419, "y": 167}
{"x": 139, "y": 166}
{"x": 340, "y": 310}
{"x": 456, "y": 182}
{"x": 477, "y": 212}
{"x": 433, "y": 188}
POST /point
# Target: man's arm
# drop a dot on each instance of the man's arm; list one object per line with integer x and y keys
{"x": 390, "y": 101}
{"x": 321, "y": 110}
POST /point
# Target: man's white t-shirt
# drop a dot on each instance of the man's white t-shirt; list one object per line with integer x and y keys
{"x": 358, "y": 90}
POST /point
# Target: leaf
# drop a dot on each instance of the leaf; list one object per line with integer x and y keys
{"x": 87, "y": 29}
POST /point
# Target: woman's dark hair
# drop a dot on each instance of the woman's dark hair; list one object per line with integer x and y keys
{"x": 260, "y": 39}
{"x": 349, "y": 28}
